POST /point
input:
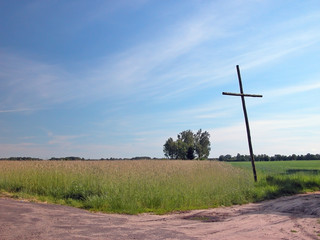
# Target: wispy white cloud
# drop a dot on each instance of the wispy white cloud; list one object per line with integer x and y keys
{"x": 197, "y": 51}
{"x": 139, "y": 63}
{"x": 18, "y": 149}
{"x": 17, "y": 110}
{"x": 158, "y": 67}
{"x": 293, "y": 89}
{"x": 285, "y": 134}
{"x": 278, "y": 48}
{"x": 29, "y": 84}
{"x": 154, "y": 65}
{"x": 63, "y": 140}
{"x": 62, "y": 146}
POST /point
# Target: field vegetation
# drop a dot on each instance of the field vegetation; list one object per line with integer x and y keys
{"x": 280, "y": 178}
{"x": 157, "y": 186}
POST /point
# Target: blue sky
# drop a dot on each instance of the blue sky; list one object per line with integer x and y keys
{"x": 100, "y": 79}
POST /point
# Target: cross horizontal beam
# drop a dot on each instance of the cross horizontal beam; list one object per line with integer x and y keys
{"x": 241, "y": 94}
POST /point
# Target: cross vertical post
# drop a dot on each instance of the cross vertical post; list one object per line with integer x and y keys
{"x": 242, "y": 95}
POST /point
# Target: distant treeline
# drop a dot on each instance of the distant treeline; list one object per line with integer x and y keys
{"x": 224, "y": 158}
{"x": 264, "y": 157}
{"x": 20, "y": 159}
{"x": 39, "y": 159}
{"x": 66, "y": 159}
{"x": 71, "y": 159}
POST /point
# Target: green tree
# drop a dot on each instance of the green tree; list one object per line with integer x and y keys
{"x": 181, "y": 149}
{"x": 190, "y": 153}
{"x": 170, "y": 149}
{"x": 188, "y": 145}
{"x": 187, "y": 137}
{"x": 202, "y": 144}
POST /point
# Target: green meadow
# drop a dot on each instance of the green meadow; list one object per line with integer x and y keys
{"x": 157, "y": 186}
{"x": 279, "y": 178}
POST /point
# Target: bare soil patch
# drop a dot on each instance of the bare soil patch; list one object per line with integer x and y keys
{"x": 294, "y": 217}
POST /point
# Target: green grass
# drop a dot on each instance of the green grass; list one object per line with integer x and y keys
{"x": 281, "y": 167}
{"x": 129, "y": 186}
{"x": 157, "y": 186}
{"x": 282, "y": 178}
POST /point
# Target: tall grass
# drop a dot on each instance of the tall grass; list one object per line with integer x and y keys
{"x": 129, "y": 186}
{"x": 155, "y": 186}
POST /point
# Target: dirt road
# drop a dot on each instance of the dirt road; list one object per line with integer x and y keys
{"x": 295, "y": 217}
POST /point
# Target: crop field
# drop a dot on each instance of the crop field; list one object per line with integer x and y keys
{"x": 283, "y": 167}
{"x": 280, "y": 178}
{"x": 157, "y": 186}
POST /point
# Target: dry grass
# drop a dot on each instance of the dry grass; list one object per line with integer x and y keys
{"x": 129, "y": 186}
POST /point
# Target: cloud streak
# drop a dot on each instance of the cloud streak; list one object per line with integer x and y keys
{"x": 270, "y": 136}
{"x": 298, "y": 88}
{"x": 167, "y": 78}
{"x": 139, "y": 70}
{"x": 17, "y": 110}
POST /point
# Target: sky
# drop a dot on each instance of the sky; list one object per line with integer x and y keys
{"x": 101, "y": 79}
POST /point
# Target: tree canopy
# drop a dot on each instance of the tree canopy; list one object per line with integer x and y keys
{"x": 188, "y": 145}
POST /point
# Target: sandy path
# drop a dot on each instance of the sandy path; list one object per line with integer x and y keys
{"x": 295, "y": 217}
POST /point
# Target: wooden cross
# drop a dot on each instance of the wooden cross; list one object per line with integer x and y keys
{"x": 242, "y": 95}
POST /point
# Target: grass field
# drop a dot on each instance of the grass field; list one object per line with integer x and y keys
{"x": 282, "y": 167}
{"x": 154, "y": 185}
{"x": 284, "y": 177}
